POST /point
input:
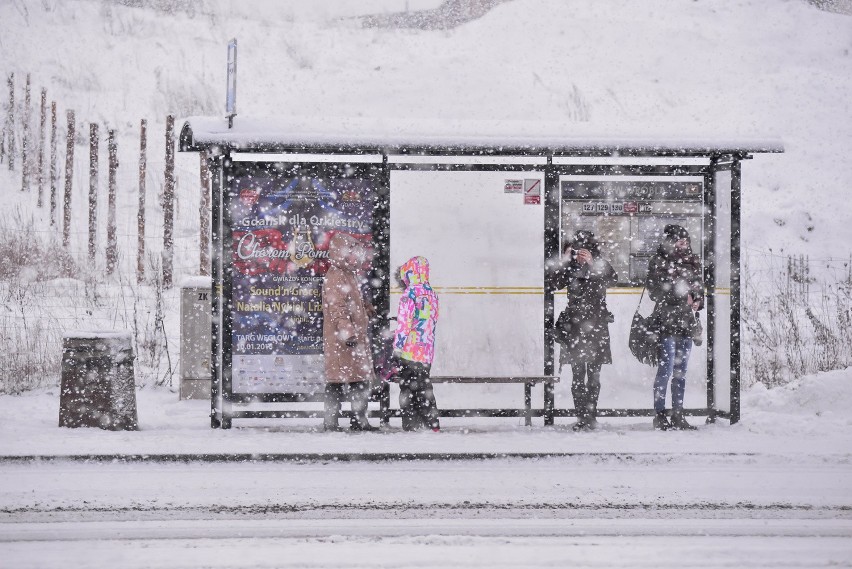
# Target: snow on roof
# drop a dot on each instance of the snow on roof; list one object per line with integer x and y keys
{"x": 507, "y": 136}
{"x": 196, "y": 282}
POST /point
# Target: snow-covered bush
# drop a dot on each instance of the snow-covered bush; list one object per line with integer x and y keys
{"x": 795, "y": 321}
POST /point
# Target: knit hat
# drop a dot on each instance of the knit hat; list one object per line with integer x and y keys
{"x": 674, "y": 232}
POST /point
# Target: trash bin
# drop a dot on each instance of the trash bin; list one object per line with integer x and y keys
{"x": 97, "y": 385}
{"x": 195, "y": 323}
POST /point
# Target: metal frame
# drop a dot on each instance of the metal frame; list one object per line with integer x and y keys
{"x": 719, "y": 159}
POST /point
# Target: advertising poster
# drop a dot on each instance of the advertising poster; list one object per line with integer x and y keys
{"x": 281, "y": 228}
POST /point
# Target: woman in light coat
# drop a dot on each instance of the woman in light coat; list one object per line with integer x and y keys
{"x": 346, "y": 343}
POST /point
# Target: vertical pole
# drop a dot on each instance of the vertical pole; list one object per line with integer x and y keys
{"x": 69, "y": 176}
{"x": 25, "y": 144}
{"x": 112, "y": 245}
{"x": 53, "y": 166}
{"x": 169, "y": 204}
{"x": 710, "y": 282}
{"x": 41, "y": 125}
{"x": 204, "y": 216}
{"x": 10, "y": 122}
{"x": 381, "y": 269}
{"x": 736, "y": 180}
{"x": 140, "y": 216}
{"x": 551, "y": 253}
{"x": 93, "y": 189}
{"x": 227, "y": 295}
{"x": 216, "y": 297}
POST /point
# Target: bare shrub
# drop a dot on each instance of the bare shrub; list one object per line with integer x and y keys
{"x": 24, "y": 256}
{"x": 796, "y": 321}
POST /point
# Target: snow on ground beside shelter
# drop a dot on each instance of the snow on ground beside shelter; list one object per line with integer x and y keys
{"x": 810, "y": 417}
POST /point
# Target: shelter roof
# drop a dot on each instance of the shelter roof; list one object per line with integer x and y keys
{"x": 347, "y": 135}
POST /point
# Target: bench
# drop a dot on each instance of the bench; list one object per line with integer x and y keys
{"x": 528, "y": 382}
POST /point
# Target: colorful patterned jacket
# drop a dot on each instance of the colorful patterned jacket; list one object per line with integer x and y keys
{"x": 417, "y": 315}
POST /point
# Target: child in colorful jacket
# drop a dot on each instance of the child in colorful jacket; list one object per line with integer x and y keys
{"x": 414, "y": 346}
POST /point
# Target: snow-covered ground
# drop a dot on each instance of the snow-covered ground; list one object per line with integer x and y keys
{"x": 774, "y": 490}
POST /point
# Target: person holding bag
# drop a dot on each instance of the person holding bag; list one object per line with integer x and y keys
{"x": 674, "y": 283}
{"x": 583, "y": 327}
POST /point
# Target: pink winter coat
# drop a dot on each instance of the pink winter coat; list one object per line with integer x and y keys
{"x": 417, "y": 315}
{"x": 345, "y": 315}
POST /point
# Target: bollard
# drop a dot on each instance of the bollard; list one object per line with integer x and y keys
{"x": 97, "y": 385}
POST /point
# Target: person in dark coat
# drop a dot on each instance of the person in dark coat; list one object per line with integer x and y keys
{"x": 585, "y": 323}
{"x": 675, "y": 284}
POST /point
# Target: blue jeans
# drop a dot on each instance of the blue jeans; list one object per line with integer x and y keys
{"x": 674, "y": 357}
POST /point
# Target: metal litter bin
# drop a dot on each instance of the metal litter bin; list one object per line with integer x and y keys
{"x": 97, "y": 386}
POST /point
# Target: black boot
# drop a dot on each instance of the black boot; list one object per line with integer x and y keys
{"x": 358, "y": 421}
{"x": 582, "y": 412}
{"x": 332, "y": 408}
{"x": 591, "y": 417}
{"x": 679, "y": 421}
{"x": 661, "y": 421}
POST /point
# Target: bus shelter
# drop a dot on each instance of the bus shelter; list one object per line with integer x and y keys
{"x": 491, "y": 212}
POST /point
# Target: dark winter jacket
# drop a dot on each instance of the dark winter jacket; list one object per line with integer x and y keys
{"x": 672, "y": 275}
{"x": 588, "y": 316}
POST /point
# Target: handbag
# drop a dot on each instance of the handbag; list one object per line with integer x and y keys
{"x": 644, "y": 337}
{"x": 562, "y": 328}
{"x": 697, "y": 330}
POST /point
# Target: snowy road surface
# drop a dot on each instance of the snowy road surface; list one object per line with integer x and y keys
{"x": 596, "y": 511}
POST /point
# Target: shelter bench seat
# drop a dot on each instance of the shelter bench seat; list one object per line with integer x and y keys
{"x": 527, "y": 412}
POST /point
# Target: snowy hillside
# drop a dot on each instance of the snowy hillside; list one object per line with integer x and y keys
{"x": 705, "y": 68}
{"x": 665, "y": 68}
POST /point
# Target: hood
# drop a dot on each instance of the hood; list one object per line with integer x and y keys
{"x": 415, "y": 271}
{"x": 340, "y": 252}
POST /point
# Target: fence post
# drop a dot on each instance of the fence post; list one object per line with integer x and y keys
{"x": 168, "y": 205}
{"x": 10, "y": 122}
{"x": 140, "y": 216}
{"x": 112, "y": 245}
{"x": 69, "y": 176}
{"x": 204, "y": 216}
{"x": 42, "y": 121}
{"x": 25, "y": 144}
{"x": 93, "y": 188}
{"x": 53, "y": 168}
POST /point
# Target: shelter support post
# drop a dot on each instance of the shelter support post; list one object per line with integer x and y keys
{"x": 226, "y": 320}
{"x": 214, "y": 165}
{"x": 736, "y": 181}
{"x": 710, "y": 282}
{"x": 551, "y": 252}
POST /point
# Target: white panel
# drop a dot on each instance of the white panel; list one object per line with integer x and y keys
{"x": 722, "y": 347}
{"x": 289, "y": 157}
{"x": 459, "y": 159}
{"x": 474, "y": 236}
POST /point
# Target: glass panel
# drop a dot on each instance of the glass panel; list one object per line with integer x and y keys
{"x": 486, "y": 255}
{"x": 722, "y": 328}
{"x": 627, "y": 215}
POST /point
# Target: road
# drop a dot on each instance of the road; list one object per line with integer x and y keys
{"x": 584, "y": 511}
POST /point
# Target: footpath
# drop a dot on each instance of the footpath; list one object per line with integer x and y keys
{"x": 811, "y": 421}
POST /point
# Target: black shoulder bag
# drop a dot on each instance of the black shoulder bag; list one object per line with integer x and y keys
{"x": 644, "y": 337}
